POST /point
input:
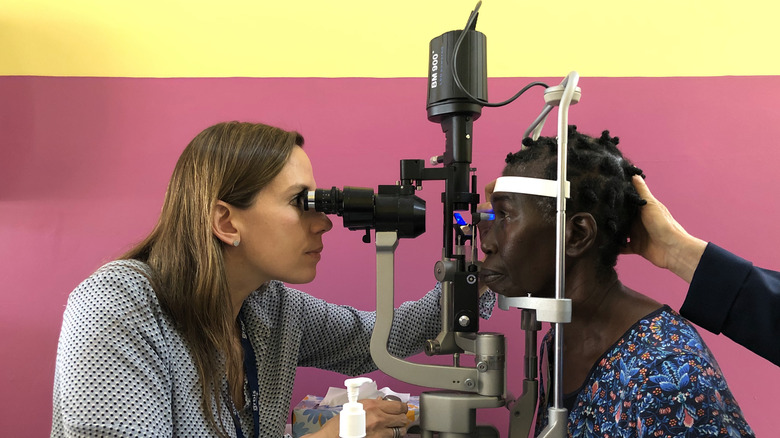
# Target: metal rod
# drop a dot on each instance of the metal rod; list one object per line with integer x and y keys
{"x": 560, "y": 277}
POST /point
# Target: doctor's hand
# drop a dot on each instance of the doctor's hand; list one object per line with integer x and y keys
{"x": 659, "y": 238}
{"x": 385, "y": 418}
{"x": 484, "y": 225}
{"x": 486, "y": 207}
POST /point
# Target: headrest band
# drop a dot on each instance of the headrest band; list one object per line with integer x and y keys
{"x": 529, "y": 186}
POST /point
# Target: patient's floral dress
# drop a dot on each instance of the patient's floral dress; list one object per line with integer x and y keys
{"x": 657, "y": 380}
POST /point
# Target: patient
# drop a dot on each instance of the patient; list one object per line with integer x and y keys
{"x": 632, "y": 366}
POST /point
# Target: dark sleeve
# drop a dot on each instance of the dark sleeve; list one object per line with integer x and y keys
{"x": 731, "y": 296}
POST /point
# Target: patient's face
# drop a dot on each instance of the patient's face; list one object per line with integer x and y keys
{"x": 519, "y": 248}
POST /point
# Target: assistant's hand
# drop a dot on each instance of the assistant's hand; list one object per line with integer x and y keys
{"x": 381, "y": 417}
{"x": 659, "y": 238}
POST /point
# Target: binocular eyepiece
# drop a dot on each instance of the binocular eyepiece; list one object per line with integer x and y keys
{"x": 392, "y": 208}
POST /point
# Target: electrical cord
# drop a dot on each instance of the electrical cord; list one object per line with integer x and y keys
{"x": 456, "y": 78}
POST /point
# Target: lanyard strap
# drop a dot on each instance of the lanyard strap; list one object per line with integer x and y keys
{"x": 250, "y": 368}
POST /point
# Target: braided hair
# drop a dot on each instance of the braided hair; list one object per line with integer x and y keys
{"x": 600, "y": 178}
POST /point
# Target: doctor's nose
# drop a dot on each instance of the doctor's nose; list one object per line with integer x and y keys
{"x": 323, "y": 224}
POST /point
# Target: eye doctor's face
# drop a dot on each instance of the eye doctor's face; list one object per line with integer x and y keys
{"x": 279, "y": 240}
{"x": 519, "y": 248}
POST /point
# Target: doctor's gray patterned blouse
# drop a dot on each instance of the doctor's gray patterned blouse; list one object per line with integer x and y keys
{"x": 123, "y": 370}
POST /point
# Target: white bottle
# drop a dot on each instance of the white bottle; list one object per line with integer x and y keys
{"x": 352, "y": 419}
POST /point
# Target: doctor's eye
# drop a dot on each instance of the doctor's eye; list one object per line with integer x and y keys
{"x": 300, "y": 199}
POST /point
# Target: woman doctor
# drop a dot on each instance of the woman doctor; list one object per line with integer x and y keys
{"x": 193, "y": 332}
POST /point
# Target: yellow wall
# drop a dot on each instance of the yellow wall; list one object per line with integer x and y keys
{"x": 359, "y": 38}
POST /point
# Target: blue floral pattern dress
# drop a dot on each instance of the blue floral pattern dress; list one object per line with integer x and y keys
{"x": 657, "y": 380}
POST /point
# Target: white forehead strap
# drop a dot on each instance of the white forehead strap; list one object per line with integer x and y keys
{"x": 529, "y": 186}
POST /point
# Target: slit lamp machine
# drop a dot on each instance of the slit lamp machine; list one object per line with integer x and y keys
{"x": 457, "y": 92}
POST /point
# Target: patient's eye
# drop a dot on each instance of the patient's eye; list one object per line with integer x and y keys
{"x": 500, "y": 211}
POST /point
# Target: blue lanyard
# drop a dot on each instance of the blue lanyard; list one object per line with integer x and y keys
{"x": 250, "y": 368}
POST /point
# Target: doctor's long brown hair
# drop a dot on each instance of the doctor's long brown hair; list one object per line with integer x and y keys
{"x": 231, "y": 162}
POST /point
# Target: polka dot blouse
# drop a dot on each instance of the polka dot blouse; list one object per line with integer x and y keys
{"x": 123, "y": 370}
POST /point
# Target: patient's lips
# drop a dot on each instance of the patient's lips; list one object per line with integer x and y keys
{"x": 489, "y": 276}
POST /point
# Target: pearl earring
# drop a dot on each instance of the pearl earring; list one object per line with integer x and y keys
{"x": 236, "y": 242}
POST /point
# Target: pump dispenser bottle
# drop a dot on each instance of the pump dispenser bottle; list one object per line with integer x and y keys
{"x": 352, "y": 419}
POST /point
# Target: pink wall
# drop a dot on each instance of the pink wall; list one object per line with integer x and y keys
{"x": 85, "y": 162}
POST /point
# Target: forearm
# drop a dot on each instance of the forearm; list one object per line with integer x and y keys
{"x": 684, "y": 256}
{"x": 347, "y": 348}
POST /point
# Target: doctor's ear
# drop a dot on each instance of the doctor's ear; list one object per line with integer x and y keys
{"x": 581, "y": 231}
{"x": 223, "y": 223}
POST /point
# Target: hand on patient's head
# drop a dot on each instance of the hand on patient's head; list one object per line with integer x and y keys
{"x": 659, "y": 238}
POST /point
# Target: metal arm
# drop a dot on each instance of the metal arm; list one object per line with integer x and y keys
{"x": 451, "y": 414}
{"x": 487, "y": 382}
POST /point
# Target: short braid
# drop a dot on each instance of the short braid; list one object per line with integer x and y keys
{"x": 600, "y": 179}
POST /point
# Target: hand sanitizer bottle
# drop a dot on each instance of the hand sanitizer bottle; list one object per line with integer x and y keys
{"x": 352, "y": 419}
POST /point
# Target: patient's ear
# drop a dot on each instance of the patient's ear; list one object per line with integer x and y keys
{"x": 222, "y": 217}
{"x": 581, "y": 230}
